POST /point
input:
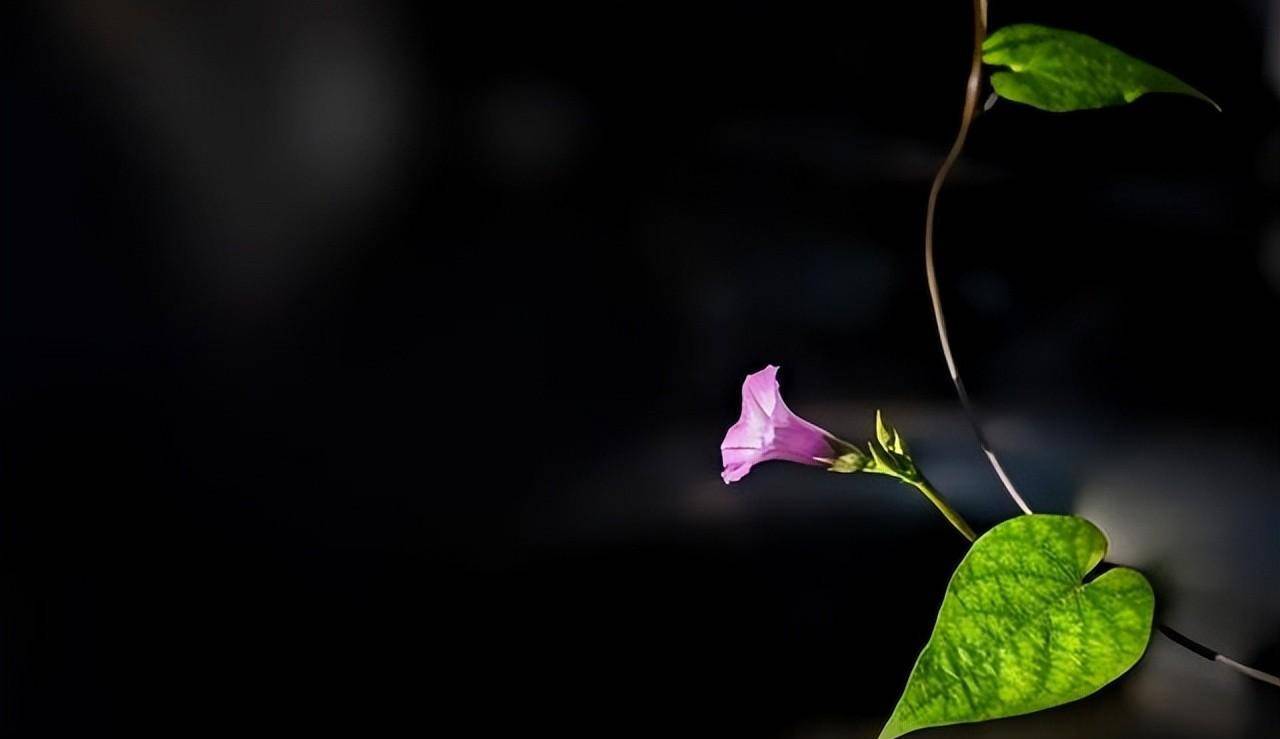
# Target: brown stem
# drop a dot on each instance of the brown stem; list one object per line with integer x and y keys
{"x": 970, "y": 112}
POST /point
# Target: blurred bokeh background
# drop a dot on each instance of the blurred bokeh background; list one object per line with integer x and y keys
{"x": 365, "y": 363}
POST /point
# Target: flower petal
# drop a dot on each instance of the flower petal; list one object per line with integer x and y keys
{"x": 767, "y": 430}
{"x": 735, "y": 472}
{"x": 762, "y": 387}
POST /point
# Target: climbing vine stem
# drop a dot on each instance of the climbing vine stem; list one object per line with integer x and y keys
{"x": 971, "y": 110}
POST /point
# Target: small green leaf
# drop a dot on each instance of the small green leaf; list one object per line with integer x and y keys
{"x": 889, "y": 453}
{"x": 899, "y": 445}
{"x": 883, "y": 460}
{"x": 1058, "y": 70}
{"x": 883, "y": 432}
{"x": 1019, "y": 631}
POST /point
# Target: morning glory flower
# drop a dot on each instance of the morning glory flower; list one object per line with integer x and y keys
{"x": 768, "y": 430}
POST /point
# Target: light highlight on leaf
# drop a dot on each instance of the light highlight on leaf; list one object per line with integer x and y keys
{"x": 1019, "y": 631}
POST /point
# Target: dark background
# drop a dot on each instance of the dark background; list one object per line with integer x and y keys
{"x": 365, "y": 364}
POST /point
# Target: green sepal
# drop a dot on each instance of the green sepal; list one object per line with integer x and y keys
{"x": 854, "y": 460}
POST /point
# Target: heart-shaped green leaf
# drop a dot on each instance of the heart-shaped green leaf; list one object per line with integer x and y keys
{"x": 1058, "y": 70}
{"x": 1019, "y": 630}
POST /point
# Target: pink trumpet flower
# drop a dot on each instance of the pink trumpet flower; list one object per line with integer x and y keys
{"x": 768, "y": 430}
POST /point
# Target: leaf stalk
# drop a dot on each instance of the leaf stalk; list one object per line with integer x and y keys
{"x": 953, "y": 517}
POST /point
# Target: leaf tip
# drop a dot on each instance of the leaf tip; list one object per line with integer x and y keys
{"x": 1193, "y": 92}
